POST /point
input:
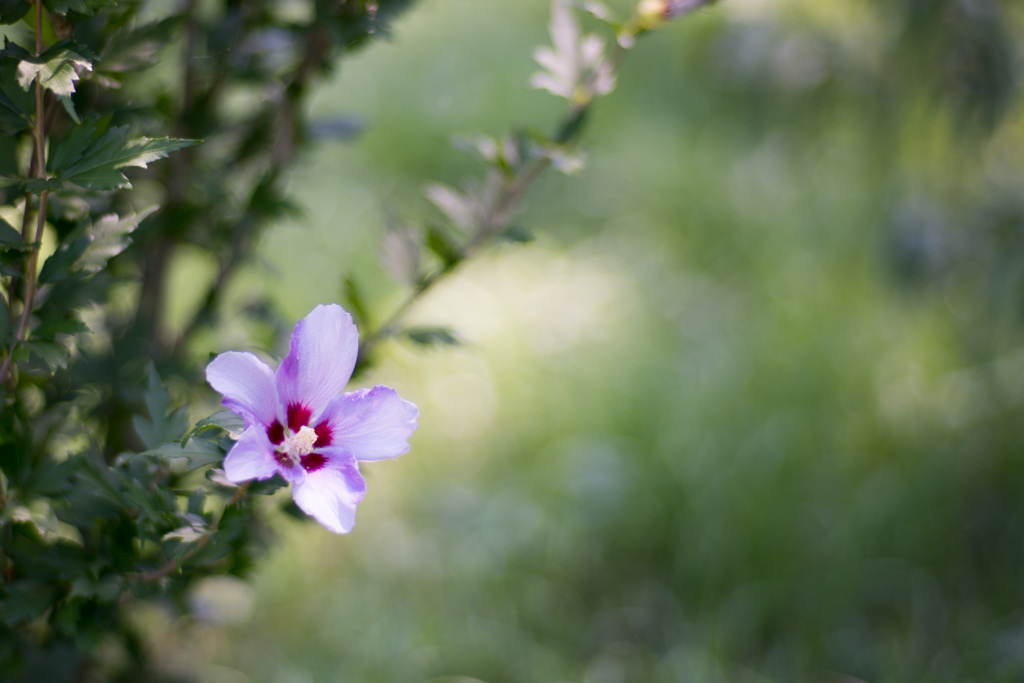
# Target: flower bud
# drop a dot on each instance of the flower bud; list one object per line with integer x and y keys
{"x": 653, "y": 13}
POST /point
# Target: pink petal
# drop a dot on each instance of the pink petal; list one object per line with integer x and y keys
{"x": 371, "y": 424}
{"x": 320, "y": 361}
{"x": 252, "y": 456}
{"x": 247, "y": 385}
{"x": 330, "y": 495}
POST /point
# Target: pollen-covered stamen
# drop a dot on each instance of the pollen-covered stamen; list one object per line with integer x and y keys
{"x": 298, "y": 444}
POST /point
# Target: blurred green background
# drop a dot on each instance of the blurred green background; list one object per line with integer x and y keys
{"x": 748, "y": 410}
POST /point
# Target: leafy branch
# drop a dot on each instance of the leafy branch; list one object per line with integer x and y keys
{"x": 576, "y": 68}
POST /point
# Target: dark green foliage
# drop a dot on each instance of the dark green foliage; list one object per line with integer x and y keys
{"x": 119, "y": 514}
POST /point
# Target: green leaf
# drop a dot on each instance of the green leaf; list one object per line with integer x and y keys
{"x": 37, "y": 185}
{"x": 108, "y": 237}
{"x": 73, "y": 145}
{"x": 199, "y": 452}
{"x": 432, "y": 336}
{"x": 51, "y": 328}
{"x": 106, "y": 589}
{"x": 16, "y": 105}
{"x": 25, "y": 600}
{"x": 54, "y": 354}
{"x": 444, "y": 248}
{"x": 227, "y": 420}
{"x": 461, "y": 209}
{"x": 99, "y": 165}
{"x": 83, "y": 7}
{"x": 400, "y": 251}
{"x": 133, "y": 48}
{"x": 516, "y": 234}
{"x": 353, "y": 296}
{"x": 57, "y": 69}
{"x": 9, "y": 237}
{"x": 90, "y": 246}
{"x": 163, "y": 425}
{"x": 13, "y": 10}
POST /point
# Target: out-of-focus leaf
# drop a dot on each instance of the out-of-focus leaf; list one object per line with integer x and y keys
{"x": 26, "y": 599}
{"x": 460, "y": 208}
{"x": 106, "y": 589}
{"x": 574, "y": 67}
{"x": 400, "y": 251}
{"x": 267, "y": 487}
{"x": 431, "y": 336}
{"x": 517, "y": 234}
{"x": 9, "y": 237}
{"x": 134, "y": 48}
{"x": 52, "y": 328}
{"x": 354, "y": 298}
{"x": 54, "y": 354}
{"x": 186, "y": 534}
{"x": 227, "y": 420}
{"x": 341, "y": 128}
{"x": 83, "y": 7}
{"x": 162, "y": 425}
{"x": 199, "y": 452}
{"x": 42, "y": 518}
{"x": 443, "y": 247}
{"x": 13, "y": 10}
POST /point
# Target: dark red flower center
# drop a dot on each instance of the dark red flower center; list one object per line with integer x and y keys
{"x": 295, "y": 443}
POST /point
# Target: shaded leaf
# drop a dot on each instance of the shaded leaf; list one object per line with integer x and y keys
{"x": 353, "y": 296}
{"x": 26, "y": 600}
{"x": 90, "y": 246}
{"x": 54, "y": 354}
{"x": 51, "y": 328}
{"x": 400, "y": 251}
{"x": 199, "y": 452}
{"x": 83, "y": 7}
{"x": 13, "y": 10}
{"x": 432, "y": 336}
{"x": 134, "y": 48}
{"x": 162, "y": 425}
{"x": 9, "y": 237}
{"x": 443, "y": 247}
{"x": 106, "y": 589}
{"x": 517, "y": 234}
{"x": 227, "y": 420}
{"x": 16, "y": 105}
{"x": 460, "y": 208}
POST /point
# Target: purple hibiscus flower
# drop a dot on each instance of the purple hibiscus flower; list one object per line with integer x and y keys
{"x": 298, "y": 423}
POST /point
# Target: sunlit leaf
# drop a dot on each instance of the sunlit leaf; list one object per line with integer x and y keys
{"x": 99, "y": 165}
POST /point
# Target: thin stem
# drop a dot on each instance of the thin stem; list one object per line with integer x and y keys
{"x": 39, "y": 164}
{"x": 568, "y": 129}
